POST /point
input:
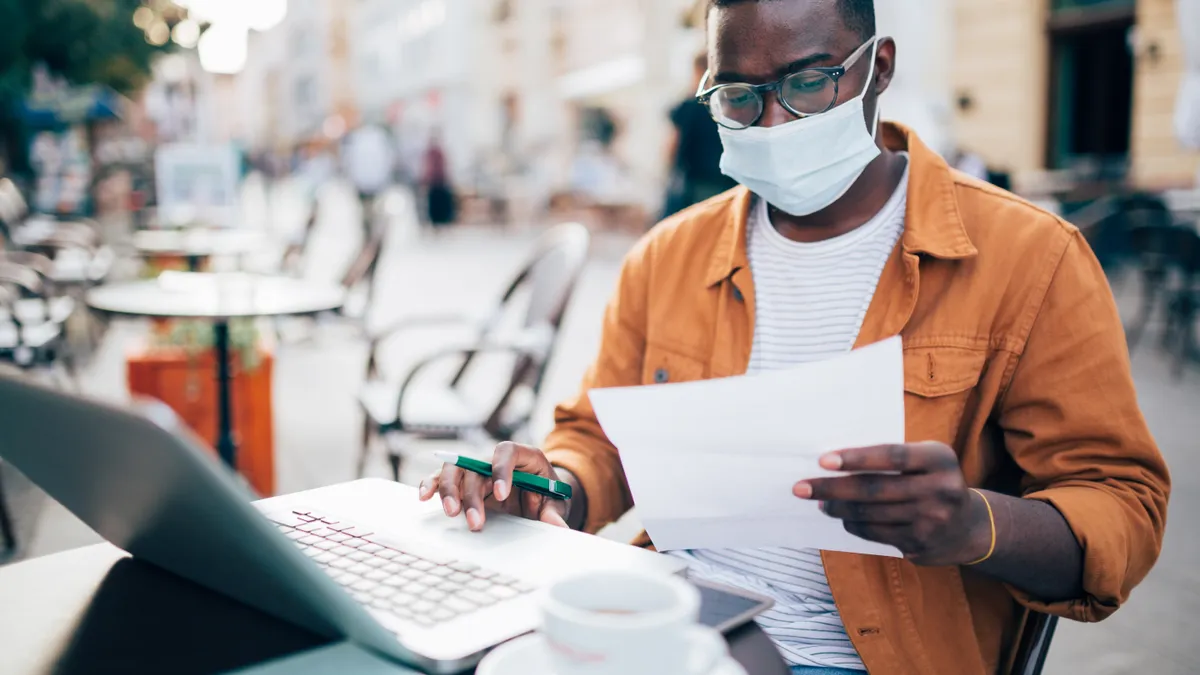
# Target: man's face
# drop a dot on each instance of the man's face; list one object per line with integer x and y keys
{"x": 760, "y": 42}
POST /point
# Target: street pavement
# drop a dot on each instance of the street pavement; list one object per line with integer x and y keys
{"x": 318, "y": 421}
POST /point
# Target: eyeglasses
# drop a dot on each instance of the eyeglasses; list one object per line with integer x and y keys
{"x": 803, "y": 93}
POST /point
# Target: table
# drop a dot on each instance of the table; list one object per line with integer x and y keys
{"x": 95, "y": 610}
{"x": 217, "y": 298}
{"x": 195, "y": 245}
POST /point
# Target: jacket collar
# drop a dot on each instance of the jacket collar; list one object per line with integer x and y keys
{"x": 933, "y": 224}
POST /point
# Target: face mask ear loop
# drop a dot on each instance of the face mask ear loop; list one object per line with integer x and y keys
{"x": 870, "y": 81}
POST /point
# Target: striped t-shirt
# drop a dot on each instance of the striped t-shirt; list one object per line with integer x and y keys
{"x": 810, "y": 303}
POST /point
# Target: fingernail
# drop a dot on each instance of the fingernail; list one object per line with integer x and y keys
{"x": 423, "y": 490}
{"x": 501, "y": 489}
{"x": 832, "y": 461}
{"x": 450, "y": 504}
{"x": 474, "y": 519}
{"x": 803, "y": 490}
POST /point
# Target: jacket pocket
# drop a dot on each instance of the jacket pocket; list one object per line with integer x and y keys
{"x": 664, "y": 366}
{"x": 938, "y": 382}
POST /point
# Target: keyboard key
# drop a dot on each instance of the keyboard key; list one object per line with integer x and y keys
{"x": 370, "y": 548}
{"x": 342, "y": 550}
{"x": 412, "y": 574}
{"x": 503, "y": 579}
{"x": 392, "y": 568}
{"x": 460, "y": 577}
{"x": 463, "y": 566}
{"x": 414, "y": 588}
{"x": 502, "y": 592}
{"x": 325, "y": 532}
{"x": 422, "y": 606}
{"x": 376, "y": 575}
{"x": 434, "y": 595}
{"x": 309, "y": 540}
{"x": 310, "y": 527}
{"x": 297, "y": 534}
{"x": 422, "y": 565}
{"x": 355, "y": 540}
{"x": 479, "y": 585}
{"x": 448, "y": 586}
{"x": 483, "y": 574}
{"x": 481, "y": 599}
{"x": 358, "y": 556}
{"x": 326, "y": 558}
{"x": 442, "y": 572}
{"x": 374, "y": 562}
{"x": 398, "y": 582}
{"x": 380, "y": 603}
{"x": 286, "y": 519}
{"x": 312, "y": 552}
{"x": 459, "y": 605}
{"x": 325, "y": 545}
{"x": 402, "y": 598}
{"x": 388, "y": 554}
{"x": 442, "y": 614}
{"x": 383, "y": 592}
{"x": 359, "y": 568}
{"x": 363, "y": 585}
{"x": 428, "y": 580}
{"x": 337, "y": 536}
{"x": 341, "y": 563}
{"x": 405, "y": 559}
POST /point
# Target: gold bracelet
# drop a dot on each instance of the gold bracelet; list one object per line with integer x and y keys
{"x": 992, "y": 519}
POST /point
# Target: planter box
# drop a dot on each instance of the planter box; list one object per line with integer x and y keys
{"x": 187, "y": 382}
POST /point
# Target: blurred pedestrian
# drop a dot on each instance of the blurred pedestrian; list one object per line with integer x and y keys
{"x": 368, "y": 161}
{"x": 435, "y": 179}
{"x": 695, "y": 152}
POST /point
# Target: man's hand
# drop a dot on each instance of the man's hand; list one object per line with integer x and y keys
{"x": 468, "y": 492}
{"x": 926, "y": 511}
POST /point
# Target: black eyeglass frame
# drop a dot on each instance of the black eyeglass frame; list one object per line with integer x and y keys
{"x": 835, "y": 73}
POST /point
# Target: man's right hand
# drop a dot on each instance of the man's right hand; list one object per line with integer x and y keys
{"x": 470, "y": 493}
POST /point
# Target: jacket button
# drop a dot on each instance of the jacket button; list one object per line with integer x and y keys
{"x": 661, "y": 376}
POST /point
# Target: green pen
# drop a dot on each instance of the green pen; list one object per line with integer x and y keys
{"x": 554, "y": 489}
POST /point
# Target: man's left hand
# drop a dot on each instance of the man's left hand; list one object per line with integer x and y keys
{"x": 925, "y": 510}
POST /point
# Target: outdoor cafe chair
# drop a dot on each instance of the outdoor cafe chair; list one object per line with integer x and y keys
{"x": 404, "y": 411}
{"x": 32, "y": 324}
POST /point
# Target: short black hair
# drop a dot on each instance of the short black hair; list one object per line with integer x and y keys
{"x": 859, "y": 15}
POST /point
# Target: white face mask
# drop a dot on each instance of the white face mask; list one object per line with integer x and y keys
{"x": 805, "y": 165}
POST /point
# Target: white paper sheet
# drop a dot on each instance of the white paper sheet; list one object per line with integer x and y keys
{"x": 711, "y": 464}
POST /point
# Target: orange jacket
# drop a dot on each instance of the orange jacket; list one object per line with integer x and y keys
{"x": 1013, "y": 354}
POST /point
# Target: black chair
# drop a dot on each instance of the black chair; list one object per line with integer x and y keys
{"x": 1034, "y": 644}
{"x": 32, "y": 324}
{"x": 394, "y": 411}
{"x": 1152, "y": 236}
{"x": 1179, "y": 336}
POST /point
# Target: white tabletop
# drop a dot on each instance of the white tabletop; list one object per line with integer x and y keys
{"x": 199, "y": 242}
{"x": 195, "y": 295}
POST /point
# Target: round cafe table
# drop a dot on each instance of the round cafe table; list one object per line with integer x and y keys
{"x": 217, "y": 298}
{"x": 196, "y": 245}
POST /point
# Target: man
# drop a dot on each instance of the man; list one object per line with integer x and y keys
{"x": 369, "y": 163}
{"x": 1031, "y": 481}
{"x": 695, "y": 152}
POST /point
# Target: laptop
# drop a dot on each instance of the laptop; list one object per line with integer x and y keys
{"x": 364, "y": 561}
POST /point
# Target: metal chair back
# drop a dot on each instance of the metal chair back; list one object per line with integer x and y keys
{"x": 549, "y": 276}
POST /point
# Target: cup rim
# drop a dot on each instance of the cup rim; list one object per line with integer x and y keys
{"x": 685, "y": 609}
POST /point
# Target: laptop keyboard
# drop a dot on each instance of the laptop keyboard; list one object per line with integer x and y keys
{"x": 418, "y": 587}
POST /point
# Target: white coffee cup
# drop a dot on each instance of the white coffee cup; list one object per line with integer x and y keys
{"x": 624, "y": 623}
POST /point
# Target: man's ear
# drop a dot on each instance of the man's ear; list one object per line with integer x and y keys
{"x": 885, "y": 64}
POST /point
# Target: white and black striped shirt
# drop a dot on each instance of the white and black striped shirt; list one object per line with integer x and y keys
{"x": 810, "y": 303}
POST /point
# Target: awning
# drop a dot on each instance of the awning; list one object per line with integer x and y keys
{"x": 1187, "y": 113}
{"x": 73, "y": 106}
